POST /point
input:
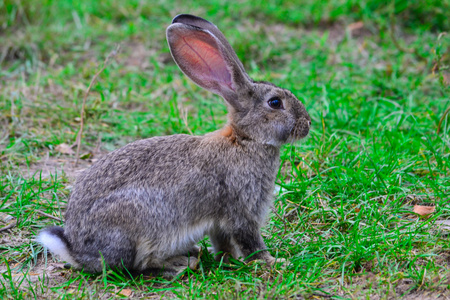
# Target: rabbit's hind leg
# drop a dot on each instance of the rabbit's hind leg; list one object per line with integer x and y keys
{"x": 114, "y": 257}
{"x": 110, "y": 248}
{"x": 170, "y": 267}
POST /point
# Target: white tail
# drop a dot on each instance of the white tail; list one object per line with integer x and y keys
{"x": 56, "y": 246}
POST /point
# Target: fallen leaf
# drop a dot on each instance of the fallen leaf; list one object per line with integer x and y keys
{"x": 64, "y": 149}
{"x": 356, "y": 25}
{"x": 424, "y": 209}
{"x": 446, "y": 78}
{"x": 388, "y": 70}
{"x": 125, "y": 292}
{"x": 86, "y": 155}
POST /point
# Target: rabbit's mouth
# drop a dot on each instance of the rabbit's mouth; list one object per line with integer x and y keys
{"x": 301, "y": 129}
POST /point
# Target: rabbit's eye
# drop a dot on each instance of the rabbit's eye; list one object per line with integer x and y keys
{"x": 275, "y": 103}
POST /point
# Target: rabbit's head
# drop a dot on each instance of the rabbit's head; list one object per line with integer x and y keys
{"x": 258, "y": 111}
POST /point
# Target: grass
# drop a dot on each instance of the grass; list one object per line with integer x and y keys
{"x": 343, "y": 213}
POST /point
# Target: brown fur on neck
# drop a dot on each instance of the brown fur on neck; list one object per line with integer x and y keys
{"x": 226, "y": 132}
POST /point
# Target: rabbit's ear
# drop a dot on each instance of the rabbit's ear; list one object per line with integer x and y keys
{"x": 203, "y": 58}
{"x": 204, "y": 24}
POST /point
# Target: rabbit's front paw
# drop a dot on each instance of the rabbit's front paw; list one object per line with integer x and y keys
{"x": 271, "y": 261}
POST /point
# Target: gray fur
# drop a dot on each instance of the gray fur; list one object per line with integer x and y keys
{"x": 146, "y": 205}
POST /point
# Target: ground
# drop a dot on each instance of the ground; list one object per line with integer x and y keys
{"x": 373, "y": 77}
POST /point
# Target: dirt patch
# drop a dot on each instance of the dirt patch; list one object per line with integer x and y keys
{"x": 375, "y": 287}
{"x": 137, "y": 55}
{"x": 51, "y": 281}
{"x": 61, "y": 166}
{"x": 50, "y": 274}
{"x": 422, "y": 295}
{"x": 338, "y": 31}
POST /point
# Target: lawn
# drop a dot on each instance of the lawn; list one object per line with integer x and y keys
{"x": 374, "y": 78}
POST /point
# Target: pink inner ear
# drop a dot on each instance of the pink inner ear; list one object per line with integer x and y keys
{"x": 204, "y": 61}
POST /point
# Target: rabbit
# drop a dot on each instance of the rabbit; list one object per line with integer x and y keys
{"x": 145, "y": 206}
